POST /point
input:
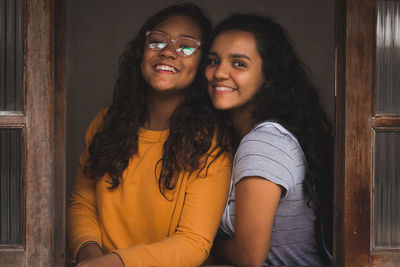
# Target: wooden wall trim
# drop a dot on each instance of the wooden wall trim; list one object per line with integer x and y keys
{"x": 360, "y": 30}
{"x": 60, "y": 135}
{"x": 12, "y": 258}
{"x": 386, "y": 259}
{"x": 340, "y": 78}
{"x": 39, "y": 133}
{"x": 12, "y": 121}
{"x": 386, "y": 121}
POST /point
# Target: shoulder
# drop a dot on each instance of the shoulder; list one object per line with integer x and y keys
{"x": 269, "y": 137}
{"x": 214, "y": 156}
{"x": 95, "y": 125}
{"x": 270, "y": 151}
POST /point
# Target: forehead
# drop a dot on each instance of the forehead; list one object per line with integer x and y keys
{"x": 179, "y": 25}
{"x": 235, "y": 41}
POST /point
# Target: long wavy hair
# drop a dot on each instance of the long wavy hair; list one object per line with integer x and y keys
{"x": 192, "y": 124}
{"x": 291, "y": 99}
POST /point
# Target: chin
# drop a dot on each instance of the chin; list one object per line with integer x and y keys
{"x": 222, "y": 106}
{"x": 162, "y": 86}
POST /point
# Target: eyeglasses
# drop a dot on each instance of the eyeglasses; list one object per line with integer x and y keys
{"x": 184, "y": 46}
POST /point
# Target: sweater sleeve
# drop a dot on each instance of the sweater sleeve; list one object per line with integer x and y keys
{"x": 82, "y": 222}
{"x": 204, "y": 202}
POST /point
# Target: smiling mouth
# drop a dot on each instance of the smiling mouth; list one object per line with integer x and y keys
{"x": 223, "y": 89}
{"x": 165, "y": 68}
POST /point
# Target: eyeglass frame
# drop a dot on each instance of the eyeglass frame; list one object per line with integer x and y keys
{"x": 198, "y": 42}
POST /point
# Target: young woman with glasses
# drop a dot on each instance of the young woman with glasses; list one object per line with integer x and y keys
{"x": 279, "y": 210}
{"x": 154, "y": 177}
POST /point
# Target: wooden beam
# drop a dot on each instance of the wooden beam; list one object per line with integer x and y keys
{"x": 360, "y": 37}
{"x": 39, "y": 133}
{"x": 60, "y": 135}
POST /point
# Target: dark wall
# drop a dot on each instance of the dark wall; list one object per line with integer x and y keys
{"x": 97, "y": 31}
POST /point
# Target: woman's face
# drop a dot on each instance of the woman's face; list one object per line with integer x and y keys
{"x": 234, "y": 71}
{"x": 165, "y": 70}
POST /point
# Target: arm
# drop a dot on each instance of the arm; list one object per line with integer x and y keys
{"x": 88, "y": 251}
{"x": 263, "y": 173}
{"x": 83, "y": 230}
{"x": 256, "y": 202}
{"x": 82, "y": 223}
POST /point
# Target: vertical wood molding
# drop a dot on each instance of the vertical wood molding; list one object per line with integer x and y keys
{"x": 360, "y": 28}
{"x": 340, "y": 78}
{"x": 40, "y": 127}
{"x": 60, "y": 135}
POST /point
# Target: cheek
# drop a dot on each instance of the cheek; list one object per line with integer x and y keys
{"x": 251, "y": 82}
{"x": 210, "y": 91}
{"x": 259, "y": 82}
{"x": 209, "y": 73}
{"x": 144, "y": 65}
{"x": 192, "y": 63}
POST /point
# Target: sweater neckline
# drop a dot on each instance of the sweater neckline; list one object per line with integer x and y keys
{"x": 153, "y": 135}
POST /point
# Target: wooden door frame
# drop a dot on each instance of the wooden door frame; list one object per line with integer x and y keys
{"x": 355, "y": 122}
{"x": 43, "y": 126}
{"x": 355, "y": 29}
{"x": 44, "y": 122}
{"x": 339, "y": 177}
{"x": 60, "y": 112}
{"x": 45, "y": 111}
{"x": 359, "y": 82}
{"x": 355, "y": 33}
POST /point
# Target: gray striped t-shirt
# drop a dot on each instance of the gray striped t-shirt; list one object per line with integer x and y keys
{"x": 272, "y": 152}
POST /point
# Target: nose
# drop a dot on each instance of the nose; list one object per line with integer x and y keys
{"x": 221, "y": 72}
{"x": 169, "y": 51}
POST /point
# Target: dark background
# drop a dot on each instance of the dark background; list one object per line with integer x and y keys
{"x": 97, "y": 31}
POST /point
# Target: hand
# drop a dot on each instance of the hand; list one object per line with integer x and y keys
{"x": 109, "y": 260}
{"x": 89, "y": 251}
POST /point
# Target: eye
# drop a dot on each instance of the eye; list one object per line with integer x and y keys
{"x": 156, "y": 40}
{"x": 158, "y": 45}
{"x": 185, "y": 45}
{"x": 213, "y": 61}
{"x": 239, "y": 64}
{"x": 186, "y": 50}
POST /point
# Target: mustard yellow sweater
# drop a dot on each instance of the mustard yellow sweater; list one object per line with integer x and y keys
{"x": 136, "y": 221}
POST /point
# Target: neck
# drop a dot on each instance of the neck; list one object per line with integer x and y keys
{"x": 159, "y": 110}
{"x": 242, "y": 121}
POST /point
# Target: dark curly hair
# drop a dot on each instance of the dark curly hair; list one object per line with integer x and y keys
{"x": 291, "y": 99}
{"x": 192, "y": 124}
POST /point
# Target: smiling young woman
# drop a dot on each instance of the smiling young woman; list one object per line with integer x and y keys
{"x": 279, "y": 210}
{"x": 155, "y": 173}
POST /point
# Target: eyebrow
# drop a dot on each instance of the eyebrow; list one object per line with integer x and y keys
{"x": 179, "y": 35}
{"x": 239, "y": 56}
{"x": 232, "y": 55}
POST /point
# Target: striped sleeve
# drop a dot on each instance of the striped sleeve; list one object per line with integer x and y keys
{"x": 269, "y": 152}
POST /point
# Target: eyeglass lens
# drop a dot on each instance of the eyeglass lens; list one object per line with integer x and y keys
{"x": 183, "y": 45}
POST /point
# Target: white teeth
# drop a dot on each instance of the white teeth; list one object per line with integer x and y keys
{"x": 166, "y": 68}
{"x": 224, "y": 89}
